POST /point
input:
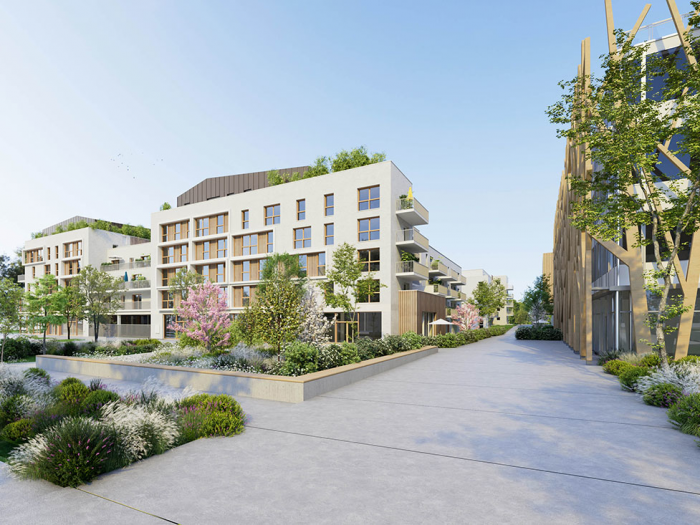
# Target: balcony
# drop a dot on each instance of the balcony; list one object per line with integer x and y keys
{"x": 411, "y": 240}
{"x": 450, "y": 276}
{"x": 20, "y": 278}
{"x": 437, "y": 269}
{"x": 136, "y": 305}
{"x": 114, "y": 267}
{"x": 134, "y": 285}
{"x": 436, "y": 289}
{"x": 411, "y": 211}
{"x": 411, "y": 270}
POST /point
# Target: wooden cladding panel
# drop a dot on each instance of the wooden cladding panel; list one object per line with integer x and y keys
{"x": 412, "y": 304}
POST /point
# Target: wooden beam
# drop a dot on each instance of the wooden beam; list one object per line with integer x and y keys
{"x": 639, "y": 23}
{"x": 680, "y": 27}
{"x": 610, "y": 23}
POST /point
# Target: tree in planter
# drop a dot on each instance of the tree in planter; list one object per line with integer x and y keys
{"x": 638, "y": 126}
{"x": 537, "y": 300}
{"x": 275, "y": 313}
{"x": 349, "y": 284}
{"x": 42, "y": 305}
{"x": 101, "y": 294}
{"x": 205, "y": 316}
{"x": 11, "y": 295}
{"x": 466, "y": 316}
{"x": 488, "y": 298}
{"x": 183, "y": 281}
{"x": 315, "y": 327}
{"x": 71, "y": 305}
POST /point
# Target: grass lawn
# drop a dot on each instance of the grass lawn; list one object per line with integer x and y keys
{"x": 31, "y": 359}
{"x": 5, "y": 449}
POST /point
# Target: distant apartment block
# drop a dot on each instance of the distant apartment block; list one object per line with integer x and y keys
{"x": 225, "y": 227}
{"x": 474, "y": 277}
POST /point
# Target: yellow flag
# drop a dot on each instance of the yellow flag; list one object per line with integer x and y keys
{"x": 410, "y": 193}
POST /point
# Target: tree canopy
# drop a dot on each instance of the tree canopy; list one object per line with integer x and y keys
{"x": 488, "y": 298}
{"x": 537, "y": 300}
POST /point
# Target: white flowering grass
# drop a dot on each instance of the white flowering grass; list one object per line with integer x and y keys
{"x": 685, "y": 376}
{"x": 632, "y": 358}
{"x": 23, "y": 459}
{"x": 141, "y": 432}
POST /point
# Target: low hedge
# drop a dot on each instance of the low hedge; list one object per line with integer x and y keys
{"x": 616, "y": 367}
{"x": 538, "y": 333}
{"x": 628, "y": 378}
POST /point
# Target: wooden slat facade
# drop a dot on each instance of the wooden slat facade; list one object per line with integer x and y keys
{"x": 412, "y": 305}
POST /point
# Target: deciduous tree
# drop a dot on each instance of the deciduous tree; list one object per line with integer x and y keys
{"x": 71, "y": 304}
{"x": 101, "y": 294}
{"x": 42, "y": 305}
{"x": 205, "y": 316}
{"x": 11, "y": 295}
{"x": 466, "y": 316}
{"x": 488, "y": 298}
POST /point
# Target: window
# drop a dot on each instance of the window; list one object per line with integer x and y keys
{"x": 201, "y": 227}
{"x": 329, "y": 205}
{"x": 368, "y": 229}
{"x": 250, "y": 244}
{"x": 370, "y": 259}
{"x": 168, "y": 321}
{"x": 56, "y": 269}
{"x": 328, "y": 234}
{"x": 301, "y": 209}
{"x": 73, "y": 249}
{"x": 321, "y": 264}
{"x": 32, "y": 256}
{"x": 183, "y": 253}
{"x": 302, "y": 237}
{"x": 245, "y": 219}
{"x": 245, "y": 275}
{"x": 373, "y": 295}
{"x": 47, "y": 269}
{"x": 173, "y": 254}
{"x": 303, "y": 265}
{"x": 220, "y": 248}
{"x": 175, "y": 232}
{"x": 71, "y": 268}
{"x": 167, "y": 300}
{"x": 167, "y": 275}
{"x": 272, "y": 214}
{"x": 246, "y": 296}
{"x": 269, "y": 242}
{"x": 220, "y": 224}
{"x": 55, "y": 252}
{"x": 213, "y": 272}
{"x": 368, "y": 198}
{"x": 33, "y": 272}
{"x": 242, "y": 295}
{"x": 261, "y": 265}
{"x": 169, "y": 255}
{"x": 137, "y": 301}
{"x": 203, "y": 250}
{"x": 48, "y": 255}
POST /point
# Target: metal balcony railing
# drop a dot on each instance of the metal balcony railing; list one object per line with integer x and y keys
{"x": 412, "y": 234}
{"x": 412, "y": 267}
{"x": 133, "y": 285}
{"x": 125, "y": 266}
{"x": 412, "y": 204}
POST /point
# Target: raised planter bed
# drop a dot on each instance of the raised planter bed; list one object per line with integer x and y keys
{"x": 261, "y": 386}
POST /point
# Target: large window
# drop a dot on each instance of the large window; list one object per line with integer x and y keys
{"x": 368, "y": 198}
{"x": 174, "y": 254}
{"x": 221, "y": 224}
{"x": 167, "y": 275}
{"x": 168, "y": 321}
{"x": 303, "y": 265}
{"x": 302, "y": 237}
{"x": 329, "y": 205}
{"x": 215, "y": 273}
{"x": 71, "y": 267}
{"x": 272, "y": 214}
{"x": 245, "y": 219}
{"x": 33, "y": 256}
{"x": 201, "y": 228}
{"x": 242, "y": 295}
{"x": 269, "y": 242}
{"x": 368, "y": 229}
{"x": 73, "y": 249}
{"x": 167, "y": 300}
{"x": 245, "y": 271}
{"x": 329, "y": 234}
{"x": 220, "y": 248}
{"x": 301, "y": 209}
{"x": 373, "y": 295}
{"x": 321, "y": 270}
{"x": 215, "y": 224}
{"x": 203, "y": 250}
{"x": 175, "y": 232}
{"x": 369, "y": 259}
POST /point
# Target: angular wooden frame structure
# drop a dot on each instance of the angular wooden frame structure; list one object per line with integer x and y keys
{"x": 572, "y": 275}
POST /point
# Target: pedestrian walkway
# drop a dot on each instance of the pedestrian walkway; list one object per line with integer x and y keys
{"x": 500, "y": 431}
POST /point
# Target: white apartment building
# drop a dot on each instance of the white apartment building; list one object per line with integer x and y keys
{"x": 474, "y": 277}
{"x": 225, "y": 227}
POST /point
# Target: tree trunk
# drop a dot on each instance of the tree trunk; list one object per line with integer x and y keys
{"x": 46, "y": 329}
{"x": 96, "y": 324}
{"x": 2, "y": 351}
{"x": 68, "y": 326}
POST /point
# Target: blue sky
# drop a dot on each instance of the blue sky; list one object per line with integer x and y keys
{"x": 110, "y": 108}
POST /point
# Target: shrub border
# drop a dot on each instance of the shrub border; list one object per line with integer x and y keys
{"x": 260, "y": 386}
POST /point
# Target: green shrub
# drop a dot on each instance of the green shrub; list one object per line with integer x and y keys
{"x": 334, "y": 355}
{"x": 88, "y": 348}
{"x": 413, "y": 340}
{"x": 652, "y": 360}
{"x": 663, "y": 395}
{"x": 37, "y": 373}
{"x": 20, "y": 430}
{"x": 70, "y": 381}
{"x": 95, "y": 400}
{"x": 206, "y": 415}
{"x": 538, "y": 333}
{"x": 73, "y": 393}
{"x": 51, "y": 416}
{"x": 448, "y": 341}
{"x": 299, "y": 359}
{"x": 628, "y": 378}
{"x": 396, "y": 343}
{"x": 688, "y": 359}
{"x": 69, "y": 348}
{"x": 77, "y": 450}
{"x": 21, "y": 348}
{"x": 685, "y": 414}
{"x": 608, "y": 356}
{"x": 616, "y": 367}
{"x": 96, "y": 384}
{"x": 11, "y": 409}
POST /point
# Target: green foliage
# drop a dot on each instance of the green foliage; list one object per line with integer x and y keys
{"x": 663, "y": 395}
{"x": 11, "y": 409}
{"x": 69, "y": 348}
{"x": 299, "y": 359}
{"x": 10, "y": 305}
{"x": 413, "y": 340}
{"x": 688, "y": 359}
{"x": 344, "y": 160}
{"x": 206, "y": 415}
{"x": 608, "y": 356}
{"x": 334, "y": 355}
{"x": 538, "y": 332}
{"x": 616, "y": 367}
{"x": 685, "y": 414}
{"x": 408, "y": 256}
{"x": 70, "y": 381}
{"x": 38, "y": 373}
{"x": 165, "y": 206}
{"x": 100, "y": 292}
{"x": 43, "y": 305}
{"x": 182, "y": 281}
{"x": 21, "y": 348}
{"x": 73, "y": 393}
{"x": 96, "y": 399}
{"x": 127, "y": 229}
{"x": 488, "y": 297}
{"x": 628, "y": 377}
{"x": 537, "y": 300}
{"x": 18, "y": 431}
{"x": 650, "y": 361}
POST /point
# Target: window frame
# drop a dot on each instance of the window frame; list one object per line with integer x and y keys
{"x": 326, "y": 236}
{"x": 274, "y": 218}
{"x": 369, "y": 261}
{"x": 301, "y": 209}
{"x": 245, "y": 219}
{"x": 369, "y": 200}
{"x": 369, "y": 231}
{"x": 326, "y": 207}
{"x": 303, "y": 239}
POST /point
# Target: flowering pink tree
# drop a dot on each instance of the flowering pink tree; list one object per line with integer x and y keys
{"x": 466, "y": 316}
{"x": 205, "y": 317}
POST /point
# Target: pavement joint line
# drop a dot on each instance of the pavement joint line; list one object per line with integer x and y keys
{"x": 127, "y": 506}
{"x": 666, "y": 427}
{"x": 467, "y": 385}
{"x": 482, "y": 461}
{"x": 496, "y": 372}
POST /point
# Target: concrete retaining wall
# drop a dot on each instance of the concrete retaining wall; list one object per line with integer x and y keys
{"x": 261, "y": 386}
